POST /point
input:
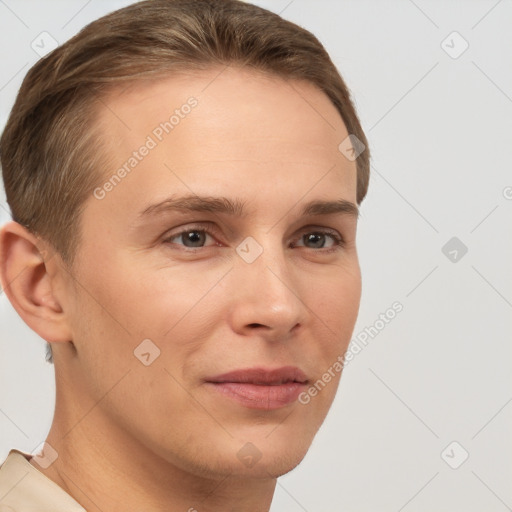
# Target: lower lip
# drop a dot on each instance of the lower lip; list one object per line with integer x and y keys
{"x": 256, "y": 396}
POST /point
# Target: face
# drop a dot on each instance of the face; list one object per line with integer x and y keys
{"x": 214, "y": 253}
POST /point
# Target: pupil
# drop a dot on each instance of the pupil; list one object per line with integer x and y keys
{"x": 316, "y": 239}
{"x": 194, "y": 237}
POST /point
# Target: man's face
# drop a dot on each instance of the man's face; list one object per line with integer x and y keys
{"x": 267, "y": 289}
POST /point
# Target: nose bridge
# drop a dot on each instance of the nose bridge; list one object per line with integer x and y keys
{"x": 268, "y": 294}
{"x": 265, "y": 260}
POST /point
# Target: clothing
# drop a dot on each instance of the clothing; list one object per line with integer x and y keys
{"x": 23, "y": 488}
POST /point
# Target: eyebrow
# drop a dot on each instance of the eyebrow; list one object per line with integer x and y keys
{"x": 236, "y": 207}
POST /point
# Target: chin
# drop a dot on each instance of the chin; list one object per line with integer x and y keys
{"x": 259, "y": 456}
{"x": 280, "y": 465}
{"x": 270, "y": 453}
{"x": 245, "y": 448}
{"x": 270, "y": 465}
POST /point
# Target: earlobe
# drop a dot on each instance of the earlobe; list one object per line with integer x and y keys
{"x": 27, "y": 283}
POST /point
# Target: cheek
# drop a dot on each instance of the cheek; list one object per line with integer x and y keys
{"x": 122, "y": 311}
{"x": 336, "y": 304}
{"x": 336, "y": 310}
{"x": 110, "y": 316}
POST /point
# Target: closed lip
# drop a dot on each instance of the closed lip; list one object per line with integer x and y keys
{"x": 262, "y": 376}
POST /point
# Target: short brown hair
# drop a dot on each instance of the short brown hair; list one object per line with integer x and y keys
{"x": 48, "y": 150}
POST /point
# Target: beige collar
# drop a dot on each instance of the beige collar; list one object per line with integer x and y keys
{"x": 24, "y": 488}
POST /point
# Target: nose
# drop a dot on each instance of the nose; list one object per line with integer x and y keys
{"x": 267, "y": 297}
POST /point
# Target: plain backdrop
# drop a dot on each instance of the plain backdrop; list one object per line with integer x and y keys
{"x": 423, "y": 415}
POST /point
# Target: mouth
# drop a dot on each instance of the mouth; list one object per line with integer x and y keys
{"x": 259, "y": 388}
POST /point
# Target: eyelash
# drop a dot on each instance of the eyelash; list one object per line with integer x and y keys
{"x": 339, "y": 242}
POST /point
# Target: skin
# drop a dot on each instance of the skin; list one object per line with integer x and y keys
{"x": 158, "y": 433}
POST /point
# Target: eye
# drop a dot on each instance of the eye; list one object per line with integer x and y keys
{"x": 196, "y": 237}
{"x": 318, "y": 239}
{"x": 191, "y": 238}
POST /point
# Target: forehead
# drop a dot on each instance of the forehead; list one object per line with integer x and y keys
{"x": 238, "y": 104}
{"x": 223, "y": 127}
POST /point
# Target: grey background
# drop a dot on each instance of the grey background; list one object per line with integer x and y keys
{"x": 440, "y": 130}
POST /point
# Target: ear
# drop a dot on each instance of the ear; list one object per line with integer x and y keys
{"x": 30, "y": 287}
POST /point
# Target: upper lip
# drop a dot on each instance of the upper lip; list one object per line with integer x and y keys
{"x": 262, "y": 376}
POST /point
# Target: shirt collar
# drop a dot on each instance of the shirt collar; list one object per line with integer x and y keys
{"x": 24, "y": 488}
